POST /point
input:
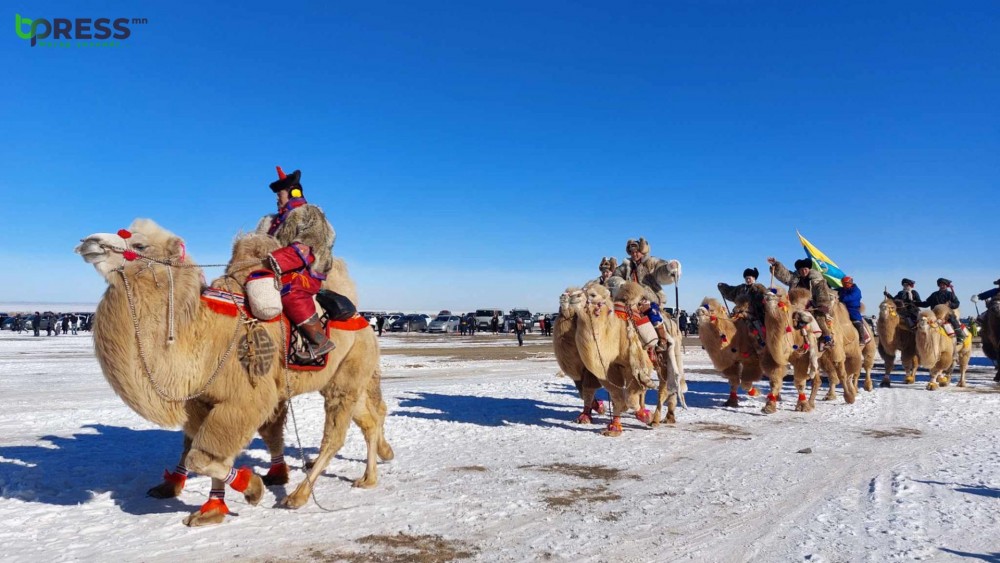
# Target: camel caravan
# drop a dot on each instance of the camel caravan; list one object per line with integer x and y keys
{"x": 222, "y": 360}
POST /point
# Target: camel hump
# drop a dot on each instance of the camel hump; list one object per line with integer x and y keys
{"x": 338, "y": 307}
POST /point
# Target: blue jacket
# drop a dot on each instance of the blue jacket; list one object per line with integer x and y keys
{"x": 851, "y": 298}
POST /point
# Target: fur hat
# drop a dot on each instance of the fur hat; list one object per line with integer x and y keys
{"x": 608, "y": 263}
{"x": 803, "y": 263}
{"x": 287, "y": 182}
{"x": 908, "y": 281}
{"x": 641, "y": 244}
{"x": 944, "y": 281}
{"x": 996, "y": 282}
{"x": 752, "y": 272}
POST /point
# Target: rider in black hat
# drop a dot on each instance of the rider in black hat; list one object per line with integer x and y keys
{"x": 945, "y": 295}
{"x": 907, "y": 300}
{"x": 806, "y": 277}
{"x": 750, "y": 293}
{"x": 988, "y": 294}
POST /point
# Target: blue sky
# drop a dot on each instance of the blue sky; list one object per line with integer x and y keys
{"x": 490, "y": 153}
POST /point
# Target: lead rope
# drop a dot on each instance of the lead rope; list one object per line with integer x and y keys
{"x": 291, "y": 409}
{"x": 142, "y": 353}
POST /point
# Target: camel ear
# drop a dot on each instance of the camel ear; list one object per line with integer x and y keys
{"x": 176, "y": 250}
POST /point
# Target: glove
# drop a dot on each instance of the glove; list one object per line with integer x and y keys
{"x": 975, "y": 298}
{"x": 887, "y": 295}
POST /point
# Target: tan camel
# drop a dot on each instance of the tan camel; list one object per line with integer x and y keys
{"x": 937, "y": 350}
{"x": 611, "y": 351}
{"x": 843, "y": 359}
{"x": 249, "y": 250}
{"x": 729, "y": 345}
{"x": 791, "y": 338}
{"x": 192, "y": 380}
{"x": 990, "y": 334}
{"x": 895, "y": 336}
{"x": 564, "y": 345}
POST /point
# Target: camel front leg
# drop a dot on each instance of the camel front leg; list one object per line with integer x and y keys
{"x": 803, "y": 373}
{"x": 173, "y": 481}
{"x": 619, "y": 405}
{"x": 273, "y": 434}
{"x": 732, "y": 373}
{"x": 587, "y": 387}
{"x": 339, "y": 406}
{"x": 776, "y": 377}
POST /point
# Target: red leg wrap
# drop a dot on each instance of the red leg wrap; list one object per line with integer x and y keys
{"x": 175, "y": 478}
{"x": 752, "y": 392}
{"x": 242, "y": 480}
{"x": 214, "y": 504}
{"x": 584, "y": 418}
{"x": 771, "y": 397}
{"x": 733, "y": 395}
{"x": 644, "y": 416}
{"x": 599, "y": 406}
{"x": 802, "y": 397}
{"x": 277, "y": 469}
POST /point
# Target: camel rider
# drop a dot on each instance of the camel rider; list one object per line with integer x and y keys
{"x": 907, "y": 300}
{"x": 986, "y": 296}
{"x": 749, "y": 292}
{"x": 808, "y": 278}
{"x": 850, "y": 296}
{"x": 652, "y": 274}
{"x": 945, "y": 295}
{"x": 607, "y": 267}
{"x": 304, "y": 260}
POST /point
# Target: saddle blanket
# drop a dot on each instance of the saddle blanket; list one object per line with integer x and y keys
{"x": 225, "y": 303}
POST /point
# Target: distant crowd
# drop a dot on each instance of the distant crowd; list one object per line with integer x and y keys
{"x": 51, "y": 323}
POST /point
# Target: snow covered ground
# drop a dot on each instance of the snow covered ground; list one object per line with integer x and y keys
{"x": 490, "y": 467}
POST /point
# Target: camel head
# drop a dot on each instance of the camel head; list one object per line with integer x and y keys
{"x": 596, "y": 294}
{"x": 888, "y": 308}
{"x": 106, "y": 251}
{"x": 777, "y": 302}
{"x": 570, "y": 302}
{"x": 927, "y": 322}
{"x": 708, "y": 309}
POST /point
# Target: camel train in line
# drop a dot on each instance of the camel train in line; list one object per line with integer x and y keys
{"x": 164, "y": 352}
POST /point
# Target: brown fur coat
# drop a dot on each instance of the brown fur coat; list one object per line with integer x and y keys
{"x": 308, "y": 225}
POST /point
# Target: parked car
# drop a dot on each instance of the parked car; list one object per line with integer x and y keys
{"x": 409, "y": 323}
{"x": 444, "y": 323}
{"x": 391, "y": 318}
{"x": 511, "y": 318}
{"x": 485, "y": 316}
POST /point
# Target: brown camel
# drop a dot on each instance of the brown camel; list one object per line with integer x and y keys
{"x": 791, "y": 338}
{"x": 937, "y": 349}
{"x": 990, "y": 334}
{"x": 895, "y": 336}
{"x": 167, "y": 356}
{"x": 564, "y": 345}
{"x": 729, "y": 345}
{"x": 611, "y": 351}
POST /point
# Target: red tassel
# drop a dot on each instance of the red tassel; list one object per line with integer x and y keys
{"x": 130, "y": 255}
{"x": 746, "y": 354}
{"x": 124, "y": 233}
{"x": 805, "y": 346}
{"x": 713, "y": 318}
{"x": 281, "y": 173}
{"x": 788, "y": 329}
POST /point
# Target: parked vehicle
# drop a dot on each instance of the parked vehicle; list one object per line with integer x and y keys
{"x": 409, "y": 323}
{"x": 511, "y": 318}
{"x": 444, "y": 323}
{"x": 485, "y": 316}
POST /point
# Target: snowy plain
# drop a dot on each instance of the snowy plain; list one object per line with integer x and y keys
{"x": 489, "y": 466}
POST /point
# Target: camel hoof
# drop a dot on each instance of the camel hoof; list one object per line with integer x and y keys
{"x": 254, "y": 491}
{"x": 829, "y": 397}
{"x": 932, "y": 386}
{"x": 212, "y": 512}
{"x": 166, "y": 489}
{"x": 803, "y": 406}
{"x": 961, "y": 383}
{"x": 770, "y": 408}
{"x": 944, "y": 381}
{"x": 365, "y": 482}
{"x": 309, "y": 464}
{"x": 671, "y": 419}
{"x": 868, "y": 386}
{"x": 298, "y": 499}
{"x": 277, "y": 475}
{"x": 584, "y": 418}
{"x": 732, "y": 402}
{"x": 885, "y": 383}
{"x": 849, "y": 399}
{"x": 611, "y": 433}
{"x": 644, "y": 416}
{"x": 910, "y": 380}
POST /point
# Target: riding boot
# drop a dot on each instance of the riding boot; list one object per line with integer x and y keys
{"x": 661, "y": 332}
{"x": 317, "y": 344}
{"x": 863, "y": 335}
{"x": 826, "y": 340}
